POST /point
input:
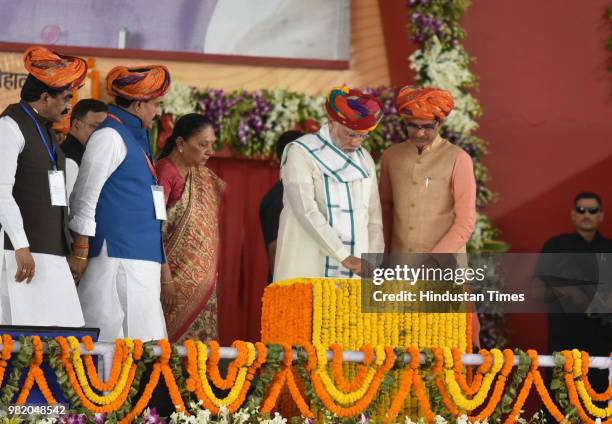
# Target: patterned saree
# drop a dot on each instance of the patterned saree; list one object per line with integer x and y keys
{"x": 191, "y": 239}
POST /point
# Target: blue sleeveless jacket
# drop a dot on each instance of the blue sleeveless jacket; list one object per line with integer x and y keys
{"x": 125, "y": 214}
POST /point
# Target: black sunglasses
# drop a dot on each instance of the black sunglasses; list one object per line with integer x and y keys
{"x": 592, "y": 211}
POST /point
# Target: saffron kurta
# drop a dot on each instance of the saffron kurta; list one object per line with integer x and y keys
{"x": 428, "y": 199}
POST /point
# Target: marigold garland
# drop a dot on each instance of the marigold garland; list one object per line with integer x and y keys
{"x": 368, "y": 352}
{"x": 361, "y": 404}
{"x": 470, "y": 389}
{"x": 82, "y": 377}
{"x": 543, "y": 392}
{"x": 520, "y": 400}
{"x": 299, "y": 400}
{"x": 199, "y": 382}
{"x": 196, "y": 368}
{"x": 173, "y": 390}
{"x": 311, "y": 352}
{"x": 257, "y": 364}
{"x": 256, "y": 353}
{"x": 601, "y": 397}
{"x": 76, "y": 386}
{"x": 145, "y": 398}
{"x": 422, "y": 398}
{"x": 578, "y": 386}
{"x": 279, "y": 380}
{"x": 7, "y": 351}
{"x": 330, "y": 387}
{"x": 454, "y": 389}
{"x": 568, "y": 368}
{"x": 36, "y": 375}
{"x": 342, "y": 396}
{"x": 438, "y": 379}
{"x": 234, "y": 366}
{"x": 500, "y": 384}
{"x": 92, "y": 373}
{"x": 405, "y": 383}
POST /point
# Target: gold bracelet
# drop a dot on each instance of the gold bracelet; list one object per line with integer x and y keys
{"x": 80, "y": 257}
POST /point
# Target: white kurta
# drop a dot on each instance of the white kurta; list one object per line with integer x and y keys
{"x": 50, "y": 298}
{"x": 119, "y": 296}
{"x": 72, "y": 171}
{"x": 304, "y": 237}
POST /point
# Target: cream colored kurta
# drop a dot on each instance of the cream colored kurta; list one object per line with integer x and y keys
{"x": 305, "y": 237}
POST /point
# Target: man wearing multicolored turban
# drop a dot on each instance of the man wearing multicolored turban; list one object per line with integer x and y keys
{"x": 36, "y": 284}
{"x": 117, "y": 208}
{"x": 332, "y": 208}
{"x": 427, "y": 184}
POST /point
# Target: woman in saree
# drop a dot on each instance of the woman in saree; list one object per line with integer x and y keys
{"x": 191, "y": 233}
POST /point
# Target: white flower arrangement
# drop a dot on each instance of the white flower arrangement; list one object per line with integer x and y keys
{"x": 180, "y": 100}
{"x": 281, "y": 117}
{"x": 450, "y": 71}
{"x": 287, "y": 109}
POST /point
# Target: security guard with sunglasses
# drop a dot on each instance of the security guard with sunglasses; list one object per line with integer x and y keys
{"x": 573, "y": 275}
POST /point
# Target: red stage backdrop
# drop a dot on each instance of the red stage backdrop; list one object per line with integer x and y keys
{"x": 243, "y": 271}
{"x": 545, "y": 91}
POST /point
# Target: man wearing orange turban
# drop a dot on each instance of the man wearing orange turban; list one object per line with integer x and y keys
{"x": 427, "y": 184}
{"x": 332, "y": 209}
{"x": 36, "y": 284}
{"x": 117, "y": 208}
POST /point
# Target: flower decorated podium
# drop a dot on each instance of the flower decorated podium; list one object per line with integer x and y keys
{"x": 321, "y": 359}
{"x": 327, "y": 311}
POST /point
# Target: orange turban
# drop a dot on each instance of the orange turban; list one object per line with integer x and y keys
{"x": 425, "y": 103}
{"x": 141, "y": 83}
{"x": 354, "y": 109}
{"x": 53, "y": 69}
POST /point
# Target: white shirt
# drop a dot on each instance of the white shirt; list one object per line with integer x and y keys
{"x": 72, "y": 170}
{"x": 105, "y": 152}
{"x": 12, "y": 143}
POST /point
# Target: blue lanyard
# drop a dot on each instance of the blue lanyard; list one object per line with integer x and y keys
{"x": 51, "y": 153}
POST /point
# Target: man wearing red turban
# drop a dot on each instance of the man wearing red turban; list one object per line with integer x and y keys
{"x": 36, "y": 285}
{"x": 117, "y": 208}
{"x": 427, "y": 184}
{"x": 331, "y": 211}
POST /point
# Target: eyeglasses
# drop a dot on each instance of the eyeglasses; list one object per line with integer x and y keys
{"x": 424, "y": 127}
{"x": 592, "y": 211}
{"x": 356, "y": 135}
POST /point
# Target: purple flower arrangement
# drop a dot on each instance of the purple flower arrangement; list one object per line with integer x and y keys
{"x": 242, "y": 119}
{"x": 215, "y": 105}
{"x": 425, "y": 26}
{"x": 392, "y": 128}
{"x": 75, "y": 419}
{"x": 150, "y": 416}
